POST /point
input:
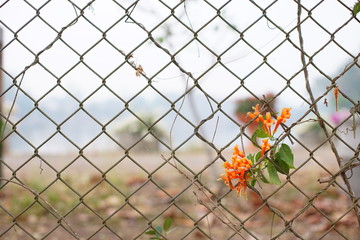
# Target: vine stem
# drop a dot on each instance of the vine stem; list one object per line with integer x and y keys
{"x": 316, "y": 111}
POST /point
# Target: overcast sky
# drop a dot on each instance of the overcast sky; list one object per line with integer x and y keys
{"x": 195, "y": 58}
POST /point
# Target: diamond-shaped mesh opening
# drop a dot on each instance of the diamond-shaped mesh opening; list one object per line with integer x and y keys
{"x": 106, "y": 110}
{"x": 283, "y": 19}
{"x": 27, "y": 105}
{"x": 201, "y": 59}
{"x": 341, "y": 36}
{"x": 173, "y": 28}
{"x": 103, "y": 59}
{"x": 16, "y": 52}
{"x": 135, "y": 174}
{"x": 12, "y": 21}
{"x": 319, "y": 14}
{"x": 208, "y": 37}
{"x": 242, "y": 60}
{"x": 148, "y": 198}
{"x": 120, "y": 114}
{"x": 12, "y": 205}
{"x": 45, "y": 176}
{"x": 85, "y": 125}
{"x": 55, "y": 146}
{"x": 164, "y": 176}
{"x": 101, "y": 145}
{"x": 31, "y": 40}
{"x": 40, "y": 129}
{"x": 54, "y": 109}
{"x": 228, "y": 82}
{"x": 124, "y": 83}
{"x": 282, "y": 65}
{"x": 330, "y": 51}
{"x": 79, "y": 76}
{"x": 82, "y": 36}
{"x": 127, "y": 217}
{"x": 59, "y": 59}
{"x": 145, "y": 55}
{"x": 114, "y": 36}
{"x": 52, "y": 14}
{"x": 40, "y": 79}
{"x": 263, "y": 45}
{"x": 246, "y": 13}
{"x": 29, "y": 221}
{"x": 319, "y": 40}
{"x": 195, "y": 22}
{"x": 149, "y": 21}
{"x": 105, "y": 15}
{"x": 260, "y": 222}
{"x": 63, "y": 199}
{"x": 103, "y": 199}
{"x": 264, "y": 81}
{"x": 86, "y": 215}
{"x": 81, "y": 162}
{"x": 171, "y": 86}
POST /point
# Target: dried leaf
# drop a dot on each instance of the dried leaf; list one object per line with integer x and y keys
{"x": 139, "y": 71}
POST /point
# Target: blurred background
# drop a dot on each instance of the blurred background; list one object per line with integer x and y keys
{"x": 114, "y": 88}
{"x": 103, "y": 83}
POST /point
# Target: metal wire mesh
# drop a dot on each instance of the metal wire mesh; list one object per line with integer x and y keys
{"x": 208, "y": 55}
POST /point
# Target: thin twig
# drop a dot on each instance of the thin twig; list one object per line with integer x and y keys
{"x": 211, "y": 209}
{"x": 191, "y": 27}
{"x": 177, "y": 114}
{"x": 314, "y": 107}
{"x": 59, "y": 216}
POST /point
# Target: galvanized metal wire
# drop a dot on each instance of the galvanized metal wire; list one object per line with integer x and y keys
{"x": 216, "y": 202}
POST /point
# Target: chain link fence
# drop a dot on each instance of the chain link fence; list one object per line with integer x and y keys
{"x": 117, "y": 116}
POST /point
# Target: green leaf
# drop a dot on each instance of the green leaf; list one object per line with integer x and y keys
{"x": 274, "y": 177}
{"x": 167, "y": 224}
{"x": 263, "y": 178}
{"x": 158, "y": 230}
{"x": 356, "y": 8}
{"x": 251, "y": 158}
{"x": 150, "y": 232}
{"x": 280, "y": 165}
{"x": 286, "y": 155}
{"x": 160, "y": 39}
{"x": 253, "y": 182}
{"x": 259, "y": 133}
{"x": 257, "y": 156}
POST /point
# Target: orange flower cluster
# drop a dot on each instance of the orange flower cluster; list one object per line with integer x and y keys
{"x": 268, "y": 121}
{"x": 285, "y": 114}
{"x": 237, "y": 169}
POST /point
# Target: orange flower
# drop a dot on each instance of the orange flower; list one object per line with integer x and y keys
{"x": 237, "y": 169}
{"x": 285, "y": 114}
{"x": 268, "y": 121}
{"x": 238, "y": 152}
{"x": 256, "y": 114}
{"x": 265, "y": 146}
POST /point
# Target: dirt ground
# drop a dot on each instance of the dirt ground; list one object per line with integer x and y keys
{"x": 109, "y": 196}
